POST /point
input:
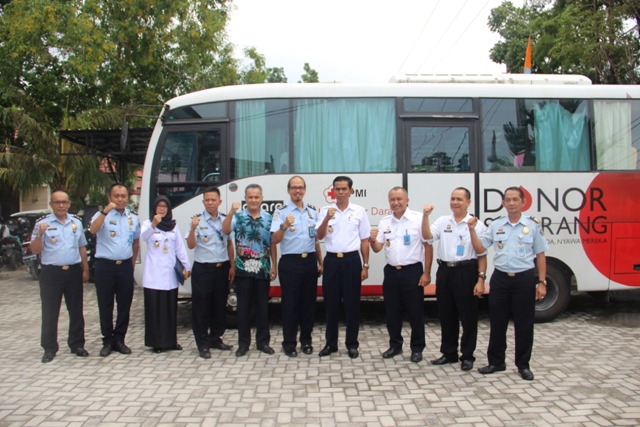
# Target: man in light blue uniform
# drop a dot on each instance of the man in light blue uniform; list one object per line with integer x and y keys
{"x": 293, "y": 226}
{"x": 117, "y": 244}
{"x": 59, "y": 239}
{"x": 518, "y": 242}
{"x": 211, "y": 275}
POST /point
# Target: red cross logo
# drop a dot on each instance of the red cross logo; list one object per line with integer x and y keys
{"x": 329, "y": 195}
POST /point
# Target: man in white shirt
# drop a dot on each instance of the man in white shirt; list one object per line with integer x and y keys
{"x": 404, "y": 275}
{"x": 345, "y": 229}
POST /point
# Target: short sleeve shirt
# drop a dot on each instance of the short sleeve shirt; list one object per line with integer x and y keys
{"x": 115, "y": 237}
{"x": 211, "y": 243}
{"x": 60, "y": 242}
{"x": 455, "y": 241}
{"x": 302, "y": 238}
{"x": 516, "y": 245}
{"x": 402, "y": 238}
{"x": 253, "y": 242}
{"x": 346, "y": 229}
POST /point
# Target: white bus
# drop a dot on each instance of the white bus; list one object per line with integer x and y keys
{"x": 572, "y": 148}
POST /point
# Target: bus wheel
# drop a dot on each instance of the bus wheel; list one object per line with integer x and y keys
{"x": 557, "y": 298}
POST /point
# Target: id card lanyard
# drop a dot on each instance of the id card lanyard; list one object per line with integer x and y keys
{"x": 460, "y": 247}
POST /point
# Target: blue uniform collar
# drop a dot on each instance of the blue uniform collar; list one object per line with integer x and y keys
{"x": 207, "y": 216}
{"x": 293, "y": 206}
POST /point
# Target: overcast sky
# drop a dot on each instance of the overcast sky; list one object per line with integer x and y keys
{"x": 367, "y": 41}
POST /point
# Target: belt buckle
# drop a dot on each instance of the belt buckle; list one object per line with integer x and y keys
{"x": 511, "y": 274}
{"x": 451, "y": 264}
{"x": 304, "y": 255}
{"x": 65, "y": 267}
{"x": 219, "y": 265}
{"x": 118, "y": 262}
{"x": 340, "y": 255}
{"x": 398, "y": 267}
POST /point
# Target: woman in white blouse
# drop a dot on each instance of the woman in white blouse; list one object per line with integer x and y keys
{"x": 160, "y": 279}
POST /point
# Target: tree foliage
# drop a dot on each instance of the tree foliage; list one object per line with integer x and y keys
{"x": 310, "y": 75}
{"x": 85, "y": 63}
{"x": 596, "y": 38}
{"x": 276, "y": 75}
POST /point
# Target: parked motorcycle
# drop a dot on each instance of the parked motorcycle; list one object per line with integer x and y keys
{"x": 11, "y": 251}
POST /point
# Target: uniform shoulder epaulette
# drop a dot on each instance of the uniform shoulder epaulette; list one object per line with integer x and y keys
{"x": 222, "y": 214}
{"x": 536, "y": 220}
{"x": 196, "y": 215}
{"x": 42, "y": 217}
{"x": 312, "y": 207}
{"x": 133, "y": 212}
{"x": 76, "y": 217}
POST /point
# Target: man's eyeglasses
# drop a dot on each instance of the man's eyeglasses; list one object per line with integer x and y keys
{"x": 60, "y": 203}
{"x": 297, "y": 187}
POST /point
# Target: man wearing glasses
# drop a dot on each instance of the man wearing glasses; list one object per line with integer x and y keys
{"x": 60, "y": 240}
{"x": 293, "y": 226}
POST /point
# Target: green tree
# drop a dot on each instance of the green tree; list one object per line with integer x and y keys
{"x": 276, "y": 75}
{"x": 257, "y": 71}
{"x": 85, "y": 63}
{"x": 310, "y": 75}
{"x": 600, "y": 39}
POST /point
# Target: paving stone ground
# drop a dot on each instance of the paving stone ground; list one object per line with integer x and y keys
{"x": 587, "y": 367}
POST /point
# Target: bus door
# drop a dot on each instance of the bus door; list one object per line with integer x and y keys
{"x": 188, "y": 159}
{"x": 439, "y": 156}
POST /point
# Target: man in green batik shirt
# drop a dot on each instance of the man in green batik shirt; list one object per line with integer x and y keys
{"x": 255, "y": 264}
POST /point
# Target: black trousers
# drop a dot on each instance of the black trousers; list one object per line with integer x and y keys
{"x": 253, "y": 292}
{"x": 401, "y": 288}
{"x": 54, "y": 283}
{"x": 341, "y": 280}
{"x": 299, "y": 283}
{"x": 209, "y": 292}
{"x": 517, "y": 296}
{"x": 113, "y": 281}
{"x": 457, "y": 304}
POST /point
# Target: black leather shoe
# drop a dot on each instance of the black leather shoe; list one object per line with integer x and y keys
{"x": 47, "y": 357}
{"x": 80, "y": 352}
{"x": 177, "y": 347}
{"x": 205, "y": 353}
{"x": 466, "y": 365}
{"x": 105, "y": 351}
{"x": 291, "y": 352}
{"x": 241, "y": 351}
{"x": 526, "y": 374}
{"x": 442, "y": 360}
{"x": 266, "y": 349}
{"x": 157, "y": 350}
{"x": 327, "y": 350}
{"x": 490, "y": 369}
{"x": 221, "y": 346}
{"x": 416, "y": 357}
{"x": 353, "y": 353}
{"x": 120, "y": 347}
{"x": 391, "y": 352}
{"x": 307, "y": 349}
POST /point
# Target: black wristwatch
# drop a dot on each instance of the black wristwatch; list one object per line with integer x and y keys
{"x": 103, "y": 212}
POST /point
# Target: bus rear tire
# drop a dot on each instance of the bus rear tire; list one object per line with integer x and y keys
{"x": 558, "y": 295}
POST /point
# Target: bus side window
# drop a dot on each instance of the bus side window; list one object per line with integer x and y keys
{"x": 617, "y": 134}
{"x": 535, "y": 135}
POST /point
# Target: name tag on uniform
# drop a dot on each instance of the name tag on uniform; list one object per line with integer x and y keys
{"x": 407, "y": 240}
{"x": 520, "y": 249}
{"x": 312, "y": 232}
{"x": 460, "y": 250}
